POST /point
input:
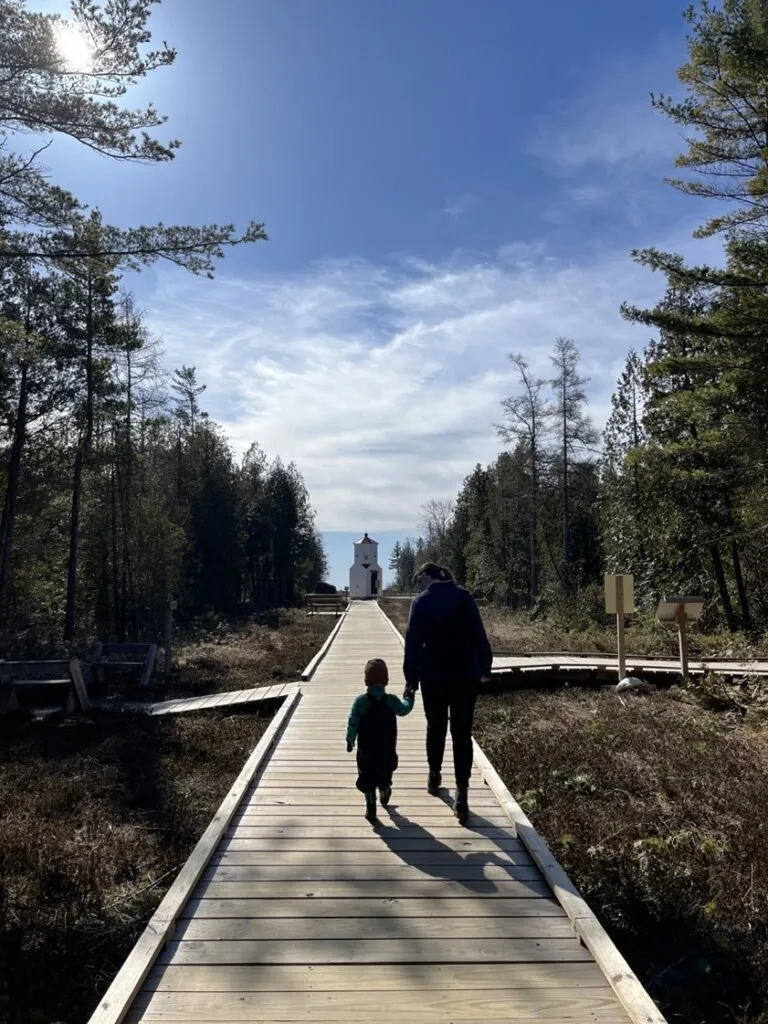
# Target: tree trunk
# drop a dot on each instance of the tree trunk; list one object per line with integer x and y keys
{"x": 118, "y": 610}
{"x": 722, "y": 586}
{"x": 74, "y": 537}
{"x": 8, "y": 522}
{"x": 746, "y": 620}
{"x": 77, "y": 476}
{"x": 566, "y": 495}
{"x": 534, "y": 584}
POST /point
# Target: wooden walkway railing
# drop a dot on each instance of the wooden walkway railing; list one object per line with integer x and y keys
{"x": 293, "y": 908}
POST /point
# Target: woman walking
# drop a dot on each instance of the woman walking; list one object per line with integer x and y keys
{"x": 447, "y": 652}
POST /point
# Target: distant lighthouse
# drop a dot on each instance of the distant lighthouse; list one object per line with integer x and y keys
{"x": 365, "y": 572}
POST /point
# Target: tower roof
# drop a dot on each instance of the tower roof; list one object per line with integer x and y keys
{"x": 365, "y": 539}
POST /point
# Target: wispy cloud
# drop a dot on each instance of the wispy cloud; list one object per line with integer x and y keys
{"x": 610, "y": 126}
{"x": 383, "y": 381}
{"x": 460, "y": 207}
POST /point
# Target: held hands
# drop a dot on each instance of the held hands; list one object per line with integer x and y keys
{"x": 409, "y": 694}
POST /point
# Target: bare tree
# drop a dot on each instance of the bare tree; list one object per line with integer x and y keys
{"x": 576, "y": 432}
{"x": 527, "y": 426}
{"x": 436, "y": 518}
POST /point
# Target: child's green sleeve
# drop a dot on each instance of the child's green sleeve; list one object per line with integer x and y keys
{"x": 353, "y": 724}
{"x": 400, "y": 707}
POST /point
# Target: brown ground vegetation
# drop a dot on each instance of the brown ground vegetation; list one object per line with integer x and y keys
{"x": 97, "y": 814}
{"x": 658, "y": 809}
{"x": 515, "y": 632}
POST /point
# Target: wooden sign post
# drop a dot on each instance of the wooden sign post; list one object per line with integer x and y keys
{"x": 680, "y": 611}
{"x": 620, "y": 601}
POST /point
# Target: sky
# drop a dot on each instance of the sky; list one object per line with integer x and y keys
{"x": 443, "y": 183}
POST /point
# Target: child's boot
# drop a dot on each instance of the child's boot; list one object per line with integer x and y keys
{"x": 461, "y": 806}
{"x": 385, "y": 795}
{"x": 370, "y": 806}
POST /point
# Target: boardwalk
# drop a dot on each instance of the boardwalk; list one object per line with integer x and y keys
{"x": 305, "y": 912}
{"x": 567, "y": 665}
{"x": 181, "y": 705}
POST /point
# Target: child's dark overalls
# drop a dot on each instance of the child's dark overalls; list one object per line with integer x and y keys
{"x": 376, "y": 742}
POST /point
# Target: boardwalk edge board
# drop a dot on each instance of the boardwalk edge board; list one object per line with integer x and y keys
{"x": 624, "y": 982}
{"x": 120, "y": 995}
{"x": 311, "y": 668}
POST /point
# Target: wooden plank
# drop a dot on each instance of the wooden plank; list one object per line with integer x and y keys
{"x": 364, "y": 836}
{"x": 351, "y": 951}
{"x": 311, "y": 668}
{"x": 414, "y": 800}
{"x": 486, "y": 874}
{"x": 425, "y": 860}
{"x": 333, "y": 929}
{"x": 454, "y": 1005}
{"x": 387, "y": 977}
{"x": 282, "y": 907}
{"x": 425, "y": 887}
{"x": 295, "y": 848}
{"x": 114, "y": 1005}
{"x": 431, "y": 820}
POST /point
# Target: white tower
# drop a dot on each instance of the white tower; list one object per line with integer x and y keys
{"x": 365, "y": 574}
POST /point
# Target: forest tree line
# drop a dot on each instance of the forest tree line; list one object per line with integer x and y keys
{"x": 117, "y": 490}
{"x": 677, "y": 493}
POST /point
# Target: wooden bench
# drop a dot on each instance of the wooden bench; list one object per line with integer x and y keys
{"x": 137, "y": 657}
{"x": 326, "y": 602}
{"x": 64, "y": 675}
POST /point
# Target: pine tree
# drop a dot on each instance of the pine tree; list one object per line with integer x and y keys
{"x": 625, "y": 496}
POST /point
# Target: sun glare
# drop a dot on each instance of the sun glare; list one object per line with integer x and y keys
{"x": 74, "y": 48}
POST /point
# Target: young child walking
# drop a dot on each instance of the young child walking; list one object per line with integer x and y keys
{"x": 373, "y": 723}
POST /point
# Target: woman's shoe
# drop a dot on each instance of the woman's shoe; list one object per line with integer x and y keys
{"x": 370, "y": 806}
{"x": 461, "y": 806}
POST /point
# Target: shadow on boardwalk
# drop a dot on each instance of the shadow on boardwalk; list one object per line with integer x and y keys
{"x": 451, "y": 866}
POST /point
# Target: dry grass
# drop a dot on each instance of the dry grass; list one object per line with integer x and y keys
{"x": 516, "y": 632}
{"x": 657, "y": 809}
{"x": 96, "y": 817}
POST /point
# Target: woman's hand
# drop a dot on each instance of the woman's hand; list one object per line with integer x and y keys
{"x": 350, "y": 747}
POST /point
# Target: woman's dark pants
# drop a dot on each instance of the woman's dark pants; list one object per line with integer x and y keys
{"x": 454, "y": 701}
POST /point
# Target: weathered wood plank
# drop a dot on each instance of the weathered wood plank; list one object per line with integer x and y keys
{"x": 425, "y": 860}
{"x": 497, "y": 1003}
{"x": 424, "y": 887}
{"x": 418, "y": 978}
{"x": 351, "y": 951}
{"x": 285, "y": 907}
{"x": 333, "y": 929}
{"x": 329, "y": 837}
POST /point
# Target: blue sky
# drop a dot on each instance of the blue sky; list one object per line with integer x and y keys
{"x": 443, "y": 183}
